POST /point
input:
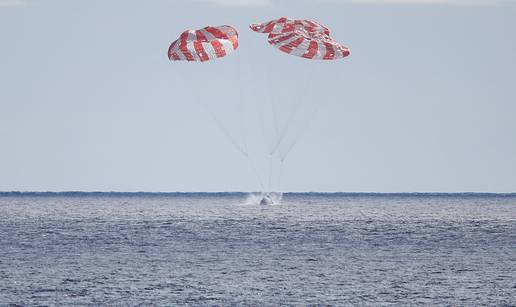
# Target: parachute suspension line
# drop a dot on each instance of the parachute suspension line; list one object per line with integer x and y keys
{"x": 295, "y": 108}
{"x": 269, "y": 189}
{"x": 275, "y": 121}
{"x": 241, "y": 105}
{"x": 230, "y": 138}
{"x": 253, "y": 168}
{"x": 298, "y": 135}
{"x": 275, "y": 124}
{"x": 263, "y": 127}
{"x": 242, "y": 110}
{"x": 224, "y": 130}
{"x": 279, "y": 176}
{"x": 286, "y": 128}
{"x": 219, "y": 124}
{"x": 309, "y": 120}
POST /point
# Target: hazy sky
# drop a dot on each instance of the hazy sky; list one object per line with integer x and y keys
{"x": 425, "y": 102}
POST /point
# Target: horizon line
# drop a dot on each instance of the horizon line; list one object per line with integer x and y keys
{"x": 328, "y": 193}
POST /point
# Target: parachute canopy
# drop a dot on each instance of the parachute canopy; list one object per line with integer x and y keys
{"x": 284, "y": 24}
{"x": 205, "y": 44}
{"x": 303, "y": 38}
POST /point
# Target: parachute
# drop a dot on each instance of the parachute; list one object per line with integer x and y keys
{"x": 205, "y": 44}
{"x": 302, "y": 38}
{"x": 283, "y": 25}
{"x": 252, "y": 105}
{"x": 306, "y": 39}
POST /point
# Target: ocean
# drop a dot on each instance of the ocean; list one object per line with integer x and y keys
{"x": 223, "y": 249}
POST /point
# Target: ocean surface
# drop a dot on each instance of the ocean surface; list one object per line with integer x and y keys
{"x": 225, "y": 249}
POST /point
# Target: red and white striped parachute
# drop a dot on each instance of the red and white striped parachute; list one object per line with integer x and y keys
{"x": 205, "y": 44}
{"x": 284, "y": 24}
{"x": 303, "y": 38}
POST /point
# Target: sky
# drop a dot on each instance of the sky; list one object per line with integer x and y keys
{"x": 425, "y": 102}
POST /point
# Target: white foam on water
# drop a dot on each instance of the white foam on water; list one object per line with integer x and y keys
{"x": 255, "y": 199}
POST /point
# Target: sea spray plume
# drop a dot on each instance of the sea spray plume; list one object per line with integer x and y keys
{"x": 271, "y": 198}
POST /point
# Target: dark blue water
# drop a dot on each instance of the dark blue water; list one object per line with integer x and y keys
{"x": 223, "y": 249}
